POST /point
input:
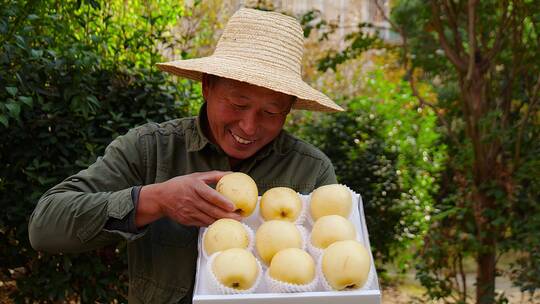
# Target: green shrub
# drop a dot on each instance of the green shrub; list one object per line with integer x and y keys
{"x": 65, "y": 95}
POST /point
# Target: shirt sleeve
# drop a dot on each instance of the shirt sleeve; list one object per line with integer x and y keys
{"x": 127, "y": 223}
{"x": 71, "y": 216}
{"x": 327, "y": 175}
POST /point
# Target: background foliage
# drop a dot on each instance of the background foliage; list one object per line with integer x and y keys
{"x": 76, "y": 74}
{"x": 489, "y": 106}
{"x": 73, "y": 76}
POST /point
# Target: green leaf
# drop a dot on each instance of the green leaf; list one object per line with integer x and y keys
{"x": 20, "y": 42}
{"x": 12, "y": 90}
{"x": 14, "y": 109}
{"x": 27, "y": 100}
{"x": 36, "y": 53}
{"x": 93, "y": 100}
{"x": 4, "y": 120}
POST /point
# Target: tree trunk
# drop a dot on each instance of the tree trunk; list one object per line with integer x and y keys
{"x": 486, "y": 254}
{"x": 484, "y": 167}
{"x": 485, "y": 274}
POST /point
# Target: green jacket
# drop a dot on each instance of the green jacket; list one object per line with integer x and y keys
{"x": 71, "y": 216}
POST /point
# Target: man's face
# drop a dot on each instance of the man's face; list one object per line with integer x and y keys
{"x": 243, "y": 118}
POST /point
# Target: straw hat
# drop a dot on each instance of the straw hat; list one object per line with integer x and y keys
{"x": 263, "y": 49}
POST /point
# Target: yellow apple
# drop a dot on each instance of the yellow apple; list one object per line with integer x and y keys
{"x": 224, "y": 234}
{"x": 292, "y": 265}
{"x": 331, "y": 199}
{"x": 346, "y": 264}
{"x": 235, "y": 268}
{"x": 275, "y": 235}
{"x": 241, "y": 189}
{"x": 280, "y": 203}
{"x": 331, "y": 228}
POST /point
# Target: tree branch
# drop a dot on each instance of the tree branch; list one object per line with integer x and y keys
{"x": 450, "y": 9}
{"x": 463, "y": 278}
{"x": 455, "y": 275}
{"x": 499, "y": 37}
{"x": 398, "y": 29}
{"x": 471, "y": 29}
{"x": 424, "y": 103}
{"x": 458, "y": 61}
{"x": 517, "y": 68}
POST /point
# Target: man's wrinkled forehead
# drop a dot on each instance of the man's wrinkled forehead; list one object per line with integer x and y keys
{"x": 241, "y": 91}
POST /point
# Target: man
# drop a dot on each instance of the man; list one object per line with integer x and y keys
{"x": 151, "y": 187}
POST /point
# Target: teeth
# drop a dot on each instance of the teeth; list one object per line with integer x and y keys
{"x": 241, "y": 140}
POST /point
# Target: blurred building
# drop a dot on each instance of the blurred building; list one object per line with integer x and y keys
{"x": 346, "y": 14}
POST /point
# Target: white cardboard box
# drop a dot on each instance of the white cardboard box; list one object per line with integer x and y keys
{"x": 369, "y": 295}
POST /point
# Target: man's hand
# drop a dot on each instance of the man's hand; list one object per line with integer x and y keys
{"x": 186, "y": 199}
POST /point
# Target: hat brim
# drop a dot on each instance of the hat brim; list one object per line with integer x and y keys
{"x": 257, "y": 74}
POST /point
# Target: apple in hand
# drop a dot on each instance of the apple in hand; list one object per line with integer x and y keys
{"x": 330, "y": 199}
{"x": 275, "y": 235}
{"x": 235, "y": 268}
{"x": 331, "y": 228}
{"x": 241, "y": 189}
{"x": 280, "y": 203}
{"x": 292, "y": 265}
{"x": 345, "y": 265}
{"x": 224, "y": 234}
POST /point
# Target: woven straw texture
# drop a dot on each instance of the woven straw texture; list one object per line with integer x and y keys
{"x": 261, "y": 48}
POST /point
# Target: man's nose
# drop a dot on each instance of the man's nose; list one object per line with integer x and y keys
{"x": 248, "y": 123}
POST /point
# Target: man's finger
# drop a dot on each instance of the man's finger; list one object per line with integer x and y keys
{"x": 203, "y": 218}
{"x": 216, "y": 212}
{"x": 210, "y": 195}
{"x": 211, "y": 177}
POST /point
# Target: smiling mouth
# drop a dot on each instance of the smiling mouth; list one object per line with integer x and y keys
{"x": 241, "y": 140}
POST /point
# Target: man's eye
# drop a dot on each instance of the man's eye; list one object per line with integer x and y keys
{"x": 239, "y": 106}
{"x": 271, "y": 113}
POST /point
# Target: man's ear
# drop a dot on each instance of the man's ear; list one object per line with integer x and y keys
{"x": 291, "y": 105}
{"x": 294, "y": 100}
{"x": 206, "y": 82}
